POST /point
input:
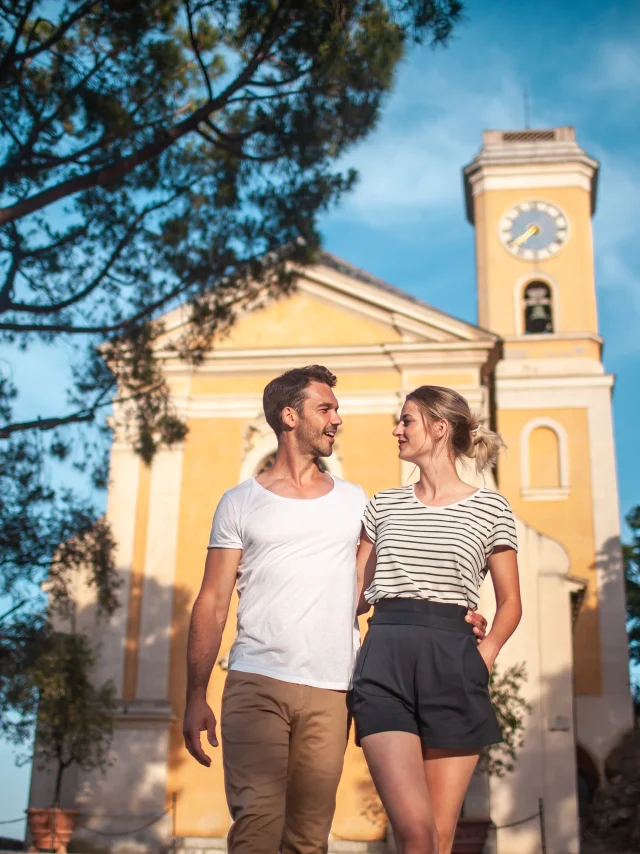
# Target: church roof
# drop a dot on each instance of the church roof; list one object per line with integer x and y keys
{"x": 425, "y": 310}
{"x": 328, "y": 259}
{"x": 335, "y": 281}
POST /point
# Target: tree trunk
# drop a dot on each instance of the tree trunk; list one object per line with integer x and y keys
{"x": 56, "y": 796}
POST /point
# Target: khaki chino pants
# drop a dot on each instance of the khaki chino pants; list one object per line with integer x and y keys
{"x": 283, "y": 748}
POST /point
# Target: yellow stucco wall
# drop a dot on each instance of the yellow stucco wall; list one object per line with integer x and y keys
{"x": 568, "y": 521}
{"x": 368, "y": 451}
{"x": 500, "y": 272}
{"x": 304, "y": 320}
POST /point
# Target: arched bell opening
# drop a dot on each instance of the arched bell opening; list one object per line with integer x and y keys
{"x": 538, "y": 308}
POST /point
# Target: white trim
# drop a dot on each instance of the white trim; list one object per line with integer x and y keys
{"x": 224, "y": 354}
{"x": 156, "y": 613}
{"x": 550, "y": 385}
{"x": 528, "y": 176}
{"x": 557, "y": 493}
{"x": 270, "y": 363}
{"x": 122, "y": 499}
{"x": 553, "y": 336}
{"x": 518, "y": 305}
{"x": 544, "y": 494}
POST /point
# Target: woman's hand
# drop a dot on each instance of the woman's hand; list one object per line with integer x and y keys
{"x": 478, "y": 622}
{"x": 489, "y": 652}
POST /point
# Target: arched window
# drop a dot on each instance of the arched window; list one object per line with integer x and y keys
{"x": 268, "y": 461}
{"x": 538, "y": 308}
{"x": 544, "y": 459}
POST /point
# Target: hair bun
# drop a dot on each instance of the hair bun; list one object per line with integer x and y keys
{"x": 485, "y": 446}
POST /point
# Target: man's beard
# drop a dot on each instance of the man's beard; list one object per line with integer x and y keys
{"x": 314, "y": 443}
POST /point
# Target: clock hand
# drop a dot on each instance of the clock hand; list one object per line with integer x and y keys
{"x": 533, "y": 229}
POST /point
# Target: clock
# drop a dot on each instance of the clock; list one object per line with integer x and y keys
{"x": 534, "y": 230}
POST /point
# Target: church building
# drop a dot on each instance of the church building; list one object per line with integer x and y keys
{"x": 532, "y": 367}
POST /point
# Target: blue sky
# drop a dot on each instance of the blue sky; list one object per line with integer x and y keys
{"x": 405, "y": 221}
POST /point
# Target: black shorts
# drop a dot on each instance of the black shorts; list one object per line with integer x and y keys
{"x": 420, "y": 671}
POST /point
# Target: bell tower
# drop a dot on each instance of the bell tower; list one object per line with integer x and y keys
{"x": 530, "y": 195}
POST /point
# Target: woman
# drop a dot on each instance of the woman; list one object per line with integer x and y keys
{"x": 420, "y": 691}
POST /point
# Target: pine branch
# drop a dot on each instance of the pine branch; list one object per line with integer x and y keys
{"x": 118, "y": 170}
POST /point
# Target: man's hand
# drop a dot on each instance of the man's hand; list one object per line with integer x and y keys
{"x": 478, "y": 622}
{"x": 197, "y": 718}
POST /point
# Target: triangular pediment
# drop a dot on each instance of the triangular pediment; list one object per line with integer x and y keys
{"x": 336, "y": 304}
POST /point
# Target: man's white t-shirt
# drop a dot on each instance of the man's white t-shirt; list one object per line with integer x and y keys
{"x": 296, "y": 581}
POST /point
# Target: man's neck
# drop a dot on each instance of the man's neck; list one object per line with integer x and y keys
{"x": 295, "y": 475}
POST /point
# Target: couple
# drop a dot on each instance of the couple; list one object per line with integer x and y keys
{"x": 307, "y": 551}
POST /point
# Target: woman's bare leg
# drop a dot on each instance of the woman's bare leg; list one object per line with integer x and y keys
{"x": 448, "y": 774}
{"x": 398, "y": 771}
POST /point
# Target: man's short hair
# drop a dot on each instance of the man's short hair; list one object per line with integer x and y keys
{"x": 289, "y": 389}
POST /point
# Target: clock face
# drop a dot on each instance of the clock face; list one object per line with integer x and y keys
{"x": 534, "y": 230}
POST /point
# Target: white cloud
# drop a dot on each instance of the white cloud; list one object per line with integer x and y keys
{"x": 617, "y": 67}
{"x": 410, "y": 167}
{"x": 412, "y": 163}
{"x": 618, "y": 211}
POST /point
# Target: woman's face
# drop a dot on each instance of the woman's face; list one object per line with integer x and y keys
{"x": 412, "y": 435}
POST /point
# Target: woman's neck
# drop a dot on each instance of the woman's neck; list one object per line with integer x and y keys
{"x": 439, "y": 482}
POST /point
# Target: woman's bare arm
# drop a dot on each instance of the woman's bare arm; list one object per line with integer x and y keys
{"x": 503, "y": 566}
{"x": 366, "y": 566}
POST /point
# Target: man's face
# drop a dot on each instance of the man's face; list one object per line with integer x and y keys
{"x": 319, "y": 421}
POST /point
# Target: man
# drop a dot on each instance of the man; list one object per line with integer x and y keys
{"x": 288, "y": 539}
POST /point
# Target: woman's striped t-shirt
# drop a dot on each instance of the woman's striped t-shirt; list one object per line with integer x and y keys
{"x": 436, "y": 553}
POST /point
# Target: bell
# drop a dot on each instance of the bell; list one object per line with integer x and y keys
{"x": 540, "y": 312}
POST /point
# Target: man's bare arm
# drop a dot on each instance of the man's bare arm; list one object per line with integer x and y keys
{"x": 208, "y": 620}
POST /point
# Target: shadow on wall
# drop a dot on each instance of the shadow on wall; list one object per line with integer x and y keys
{"x": 545, "y": 770}
{"x": 126, "y": 807}
{"x": 603, "y": 722}
{"x": 553, "y": 752}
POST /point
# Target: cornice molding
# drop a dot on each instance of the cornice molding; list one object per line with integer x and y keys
{"x": 529, "y": 160}
{"x": 523, "y": 338}
{"x": 559, "y": 383}
{"x": 397, "y": 356}
{"x": 157, "y": 713}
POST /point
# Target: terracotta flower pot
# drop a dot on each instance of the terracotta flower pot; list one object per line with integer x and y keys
{"x": 471, "y": 835}
{"x": 51, "y": 829}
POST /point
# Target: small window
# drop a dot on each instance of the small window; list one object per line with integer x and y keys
{"x": 544, "y": 459}
{"x": 538, "y": 310}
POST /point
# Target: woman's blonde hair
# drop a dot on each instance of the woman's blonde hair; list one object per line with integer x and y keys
{"x": 467, "y": 437}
